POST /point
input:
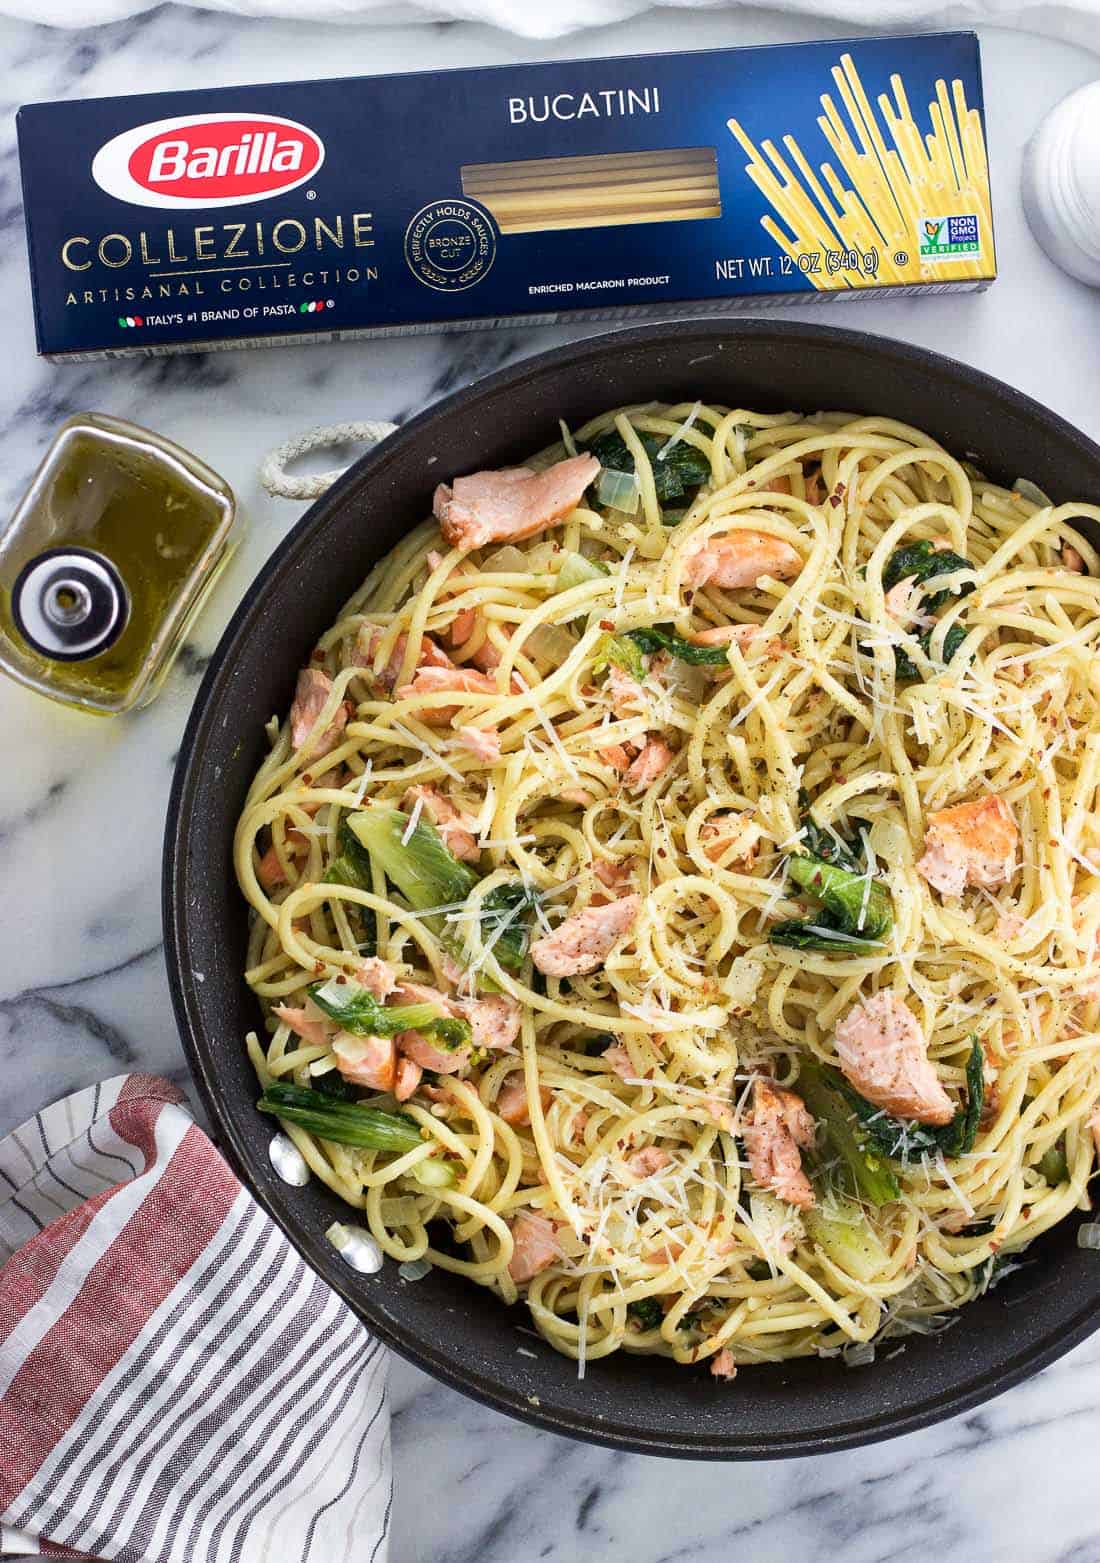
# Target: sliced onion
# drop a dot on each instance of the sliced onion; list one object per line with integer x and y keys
{"x": 400, "y": 1212}
{"x": 549, "y": 645}
{"x": 414, "y": 1269}
{"x": 434, "y": 1174}
{"x": 541, "y": 556}
{"x": 618, "y": 490}
{"x": 577, "y": 570}
{"x": 507, "y": 561}
{"x": 687, "y": 679}
{"x": 1088, "y": 1236}
{"x": 1030, "y": 491}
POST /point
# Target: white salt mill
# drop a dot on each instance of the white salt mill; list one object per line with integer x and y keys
{"x": 1061, "y": 184}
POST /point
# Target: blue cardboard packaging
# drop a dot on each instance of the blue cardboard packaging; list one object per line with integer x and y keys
{"x": 252, "y": 215}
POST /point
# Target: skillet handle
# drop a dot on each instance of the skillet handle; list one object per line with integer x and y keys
{"x": 279, "y": 482}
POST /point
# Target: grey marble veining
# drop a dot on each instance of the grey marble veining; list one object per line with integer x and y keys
{"x": 82, "y": 989}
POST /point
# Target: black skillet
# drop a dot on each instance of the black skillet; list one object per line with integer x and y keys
{"x": 447, "y": 1326}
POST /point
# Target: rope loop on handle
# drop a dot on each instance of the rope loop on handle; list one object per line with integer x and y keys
{"x": 279, "y": 482}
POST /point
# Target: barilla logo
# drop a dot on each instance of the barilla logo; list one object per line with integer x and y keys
{"x": 208, "y": 160}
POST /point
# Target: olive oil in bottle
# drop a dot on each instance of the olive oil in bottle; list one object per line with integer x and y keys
{"x": 106, "y": 561}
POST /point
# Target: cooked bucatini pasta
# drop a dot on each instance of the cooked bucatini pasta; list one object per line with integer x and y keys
{"x": 898, "y": 196}
{"x": 676, "y": 888}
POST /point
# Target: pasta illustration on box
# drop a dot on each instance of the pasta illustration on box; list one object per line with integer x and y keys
{"x": 921, "y": 204}
{"x": 259, "y": 215}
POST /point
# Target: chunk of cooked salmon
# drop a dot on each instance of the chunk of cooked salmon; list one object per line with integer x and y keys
{"x": 406, "y": 1078}
{"x": 618, "y": 1059}
{"x": 422, "y": 993}
{"x": 730, "y": 838}
{"x": 513, "y": 1105}
{"x": 614, "y": 877}
{"x": 435, "y": 680}
{"x": 652, "y": 761}
{"x": 722, "y": 1365}
{"x": 411, "y": 1044}
{"x": 1073, "y": 558}
{"x": 719, "y": 1112}
{"x": 666, "y": 1254}
{"x": 625, "y": 695}
{"x": 462, "y": 626}
{"x": 487, "y": 657}
{"x": 899, "y": 599}
{"x": 882, "y": 1052}
{"x": 488, "y": 507}
{"x": 369, "y": 639}
{"x": 534, "y": 1246}
{"x": 450, "y": 822}
{"x": 1009, "y": 925}
{"x": 305, "y": 1021}
{"x": 779, "y": 1129}
{"x": 583, "y": 942}
{"x": 615, "y": 756}
{"x": 971, "y": 844}
{"x": 377, "y": 976}
{"x": 482, "y": 742}
{"x": 310, "y": 699}
{"x": 494, "y": 1019}
{"x": 726, "y": 635}
{"x": 644, "y": 1163}
{"x": 369, "y": 1061}
{"x": 414, "y": 1045}
{"x": 269, "y": 870}
{"x": 741, "y": 559}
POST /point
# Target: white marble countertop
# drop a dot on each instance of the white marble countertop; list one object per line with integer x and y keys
{"x": 82, "y": 987}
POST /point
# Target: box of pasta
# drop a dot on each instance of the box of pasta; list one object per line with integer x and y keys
{"x": 234, "y": 216}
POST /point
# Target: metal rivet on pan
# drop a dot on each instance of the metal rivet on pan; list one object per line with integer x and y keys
{"x": 288, "y": 1161}
{"x": 356, "y": 1247}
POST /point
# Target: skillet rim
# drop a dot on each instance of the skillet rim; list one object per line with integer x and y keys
{"x": 201, "y": 1050}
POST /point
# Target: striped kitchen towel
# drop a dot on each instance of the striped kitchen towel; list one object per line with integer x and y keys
{"x": 175, "y": 1384}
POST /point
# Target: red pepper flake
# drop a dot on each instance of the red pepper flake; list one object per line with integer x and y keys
{"x": 689, "y": 596}
{"x": 307, "y": 779}
{"x": 607, "y": 624}
{"x": 317, "y": 655}
{"x": 834, "y": 500}
{"x": 341, "y": 977}
{"x": 840, "y": 488}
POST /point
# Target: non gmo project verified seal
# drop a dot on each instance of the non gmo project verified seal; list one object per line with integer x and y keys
{"x": 943, "y": 238}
